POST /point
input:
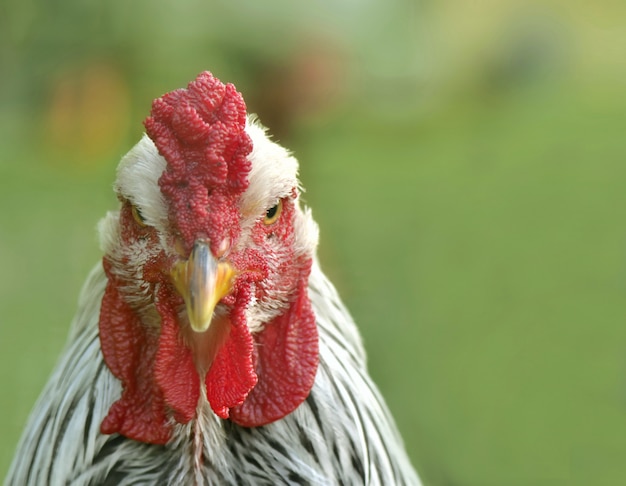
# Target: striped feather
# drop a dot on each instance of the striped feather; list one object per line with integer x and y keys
{"x": 342, "y": 434}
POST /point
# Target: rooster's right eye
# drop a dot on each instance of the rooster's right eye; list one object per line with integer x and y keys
{"x": 137, "y": 216}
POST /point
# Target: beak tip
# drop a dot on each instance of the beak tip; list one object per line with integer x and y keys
{"x": 200, "y": 327}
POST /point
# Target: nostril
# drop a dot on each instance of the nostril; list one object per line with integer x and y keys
{"x": 222, "y": 248}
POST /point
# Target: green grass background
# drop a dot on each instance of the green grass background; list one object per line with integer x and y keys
{"x": 472, "y": 215}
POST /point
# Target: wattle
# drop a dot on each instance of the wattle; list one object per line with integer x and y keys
{"x": 158, "y": 371}
{"x": 230, "y": 377}
{"x": 252, "y": 380}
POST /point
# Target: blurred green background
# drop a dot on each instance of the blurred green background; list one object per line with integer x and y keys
{"x": 465, "y": 162}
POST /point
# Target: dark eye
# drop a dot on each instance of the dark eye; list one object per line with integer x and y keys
{"x": 137, "y": 216}
{"x": 273, "y": 213}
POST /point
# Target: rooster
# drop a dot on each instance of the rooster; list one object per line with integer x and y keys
{"x": 209, "y": 347}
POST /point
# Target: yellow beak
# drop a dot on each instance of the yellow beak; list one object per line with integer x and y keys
{"x": 203, "y": 282}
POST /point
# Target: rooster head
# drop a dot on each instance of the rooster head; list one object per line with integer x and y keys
{"x": 207, "y": 262}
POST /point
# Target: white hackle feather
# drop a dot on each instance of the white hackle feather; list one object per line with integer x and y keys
{"x": 342, "y": 434}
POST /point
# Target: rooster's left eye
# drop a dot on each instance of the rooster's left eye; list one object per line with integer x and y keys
{"x": 137, "y": 216}
{"x": 273, "y": 213}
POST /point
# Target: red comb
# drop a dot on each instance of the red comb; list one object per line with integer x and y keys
{"x": 201, "y": 133}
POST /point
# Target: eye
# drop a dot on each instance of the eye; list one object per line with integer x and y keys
{"x": 273, "y": 213}
{"x": 137, "y": 216}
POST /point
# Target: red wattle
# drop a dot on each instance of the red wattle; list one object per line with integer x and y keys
{"x": 287, "y": 359}
{"x": 129, "y": 351}
{"x": 174, "y": 369}
{"x": 232, "y": 373}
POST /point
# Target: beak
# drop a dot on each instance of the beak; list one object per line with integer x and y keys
{"x": 203, "y": 282}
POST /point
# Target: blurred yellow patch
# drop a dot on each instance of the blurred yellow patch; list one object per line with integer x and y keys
{"x": 88, "y": 114}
